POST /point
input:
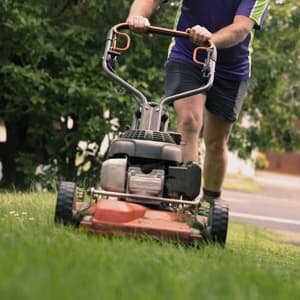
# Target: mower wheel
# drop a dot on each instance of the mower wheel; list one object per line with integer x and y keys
{"x": 65, "y": 203}
{"x": 218, "y": 222}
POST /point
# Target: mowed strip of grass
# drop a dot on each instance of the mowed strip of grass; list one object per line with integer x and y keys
{"x": 39, "y": 260}
{"x": 241, "y": 183}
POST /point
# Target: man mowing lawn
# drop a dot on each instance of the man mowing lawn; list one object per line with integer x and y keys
{"x": 229, "y": 26}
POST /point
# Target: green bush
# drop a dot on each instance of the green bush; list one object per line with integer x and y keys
{"x": 261, "y": 161}
{"x": 50, "y": 72}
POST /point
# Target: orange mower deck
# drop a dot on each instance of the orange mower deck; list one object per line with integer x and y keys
{"x": 108, "y": 217}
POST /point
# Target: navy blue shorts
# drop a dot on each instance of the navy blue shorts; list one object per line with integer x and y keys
{"x": 224, "y": 99}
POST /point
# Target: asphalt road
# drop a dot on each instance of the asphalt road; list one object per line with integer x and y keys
{"x": 277, "y": 206}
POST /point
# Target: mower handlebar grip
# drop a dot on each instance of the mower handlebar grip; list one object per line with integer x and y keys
{"x": 209, "y": 46}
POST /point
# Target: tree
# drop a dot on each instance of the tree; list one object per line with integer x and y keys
{"x": 53, "y": 92}
{"x": 273, "y": 102}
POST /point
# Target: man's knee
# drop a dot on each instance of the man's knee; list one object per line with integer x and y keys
{"x": 216, "y": 146}
{"x": 190, "y": 122}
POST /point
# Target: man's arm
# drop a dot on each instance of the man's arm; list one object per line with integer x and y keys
{"x": 226, "y": 37}
{"x": 250, "y": 14}
{"x": 233, "y": 34}
{"x": 143, "y": 8}
{"x": 139, "y": 12}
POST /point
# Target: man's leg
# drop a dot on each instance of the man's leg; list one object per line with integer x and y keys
{"x": 216, "y": 135}
{"x": 189, "y": 123}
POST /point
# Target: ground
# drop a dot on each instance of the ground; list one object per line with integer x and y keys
{"x": 272, "y": 202}
{"x": 41, "y": 260}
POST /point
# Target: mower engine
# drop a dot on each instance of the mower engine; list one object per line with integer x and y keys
{"x": 116, "y": 176}
{"x": 159, "y": 179}
{"x": 151, "y": 184}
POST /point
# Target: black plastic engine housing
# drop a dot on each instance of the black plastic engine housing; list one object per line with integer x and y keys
{"x": 184, "y": 180}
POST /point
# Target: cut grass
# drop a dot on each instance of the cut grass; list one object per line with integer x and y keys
{"x": 241, "y": 183}
{"x": 39, "y": 260}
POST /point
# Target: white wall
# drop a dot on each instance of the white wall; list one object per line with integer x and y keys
{"x": 240, "y": 166}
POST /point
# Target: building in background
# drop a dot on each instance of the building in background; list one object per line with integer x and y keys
{"x": 284, "y": 162}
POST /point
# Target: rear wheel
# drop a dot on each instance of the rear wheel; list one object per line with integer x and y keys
{"x": 65, "y": 203}
{"x": 216, "y": 231}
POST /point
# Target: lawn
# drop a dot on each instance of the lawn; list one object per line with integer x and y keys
{"x": 241, "y": 183}
{"x": 39, "y": 260}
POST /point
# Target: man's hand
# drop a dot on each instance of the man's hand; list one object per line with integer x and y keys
{"x": 138, "y": 24}
{"x": 199, "y": 35}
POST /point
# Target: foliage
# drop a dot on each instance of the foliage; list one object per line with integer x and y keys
{"x": 53, "y": 93}
{"x": 273, "y": 102}
{"x": 261, "y": 161}
{"x": 51, "y": 77}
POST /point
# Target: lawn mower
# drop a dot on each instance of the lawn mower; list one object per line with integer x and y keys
{"x": 146, "y": 189}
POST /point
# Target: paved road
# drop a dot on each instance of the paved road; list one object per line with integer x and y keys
{"x": 276, "y": 207}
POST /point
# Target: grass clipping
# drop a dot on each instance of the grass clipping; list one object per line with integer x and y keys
{"x": 39, "y": 260}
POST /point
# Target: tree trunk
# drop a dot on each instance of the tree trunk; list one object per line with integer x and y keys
{"x": 16, "y": 135}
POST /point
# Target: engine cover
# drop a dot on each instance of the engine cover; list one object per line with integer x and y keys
{"x": 150, "y": 184}
{"x": 113, "y": 175}
{"x": 185, "y": 180}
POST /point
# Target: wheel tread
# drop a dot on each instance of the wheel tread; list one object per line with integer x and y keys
{"x": 219, "y": 222}
{"x": 65, "y": 202}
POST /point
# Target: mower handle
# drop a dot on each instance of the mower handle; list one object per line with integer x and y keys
{"x": 112, "y": 50}
{"x": 161, "y": 31}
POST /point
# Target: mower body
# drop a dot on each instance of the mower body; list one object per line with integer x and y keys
{"x": 111, "y": 216}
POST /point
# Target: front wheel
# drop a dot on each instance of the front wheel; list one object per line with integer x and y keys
{"x": 217, "y": 226}
{"x": 65, "y": 203}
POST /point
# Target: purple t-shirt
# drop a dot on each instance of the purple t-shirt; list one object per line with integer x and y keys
{"x": 232, "y": 63}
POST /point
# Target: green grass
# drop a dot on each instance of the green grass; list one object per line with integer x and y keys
{"x": 241, "y": 183}
{"x": 39, "y": 260}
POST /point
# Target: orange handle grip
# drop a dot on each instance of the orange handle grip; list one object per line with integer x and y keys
{"x": 195, "y": 55}
{"x": 157, "y": 30}
{"x": 121, "y": 34}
